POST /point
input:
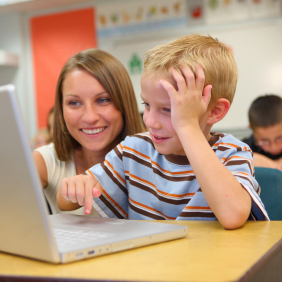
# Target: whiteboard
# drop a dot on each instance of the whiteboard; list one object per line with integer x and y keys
{"x": 257, "y": 49}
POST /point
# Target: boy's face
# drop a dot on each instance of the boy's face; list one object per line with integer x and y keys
{"x": 157, "y": 116}
{"x": 269, "y": 138}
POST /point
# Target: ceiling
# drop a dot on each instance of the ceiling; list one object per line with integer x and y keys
{"x": 11, "y": 6}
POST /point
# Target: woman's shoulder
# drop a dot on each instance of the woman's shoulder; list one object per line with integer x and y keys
{"x": 48, "y": 152}
{"x": 46, "y": 148}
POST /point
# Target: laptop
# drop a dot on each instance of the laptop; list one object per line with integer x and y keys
{"x": 28, "y": 230}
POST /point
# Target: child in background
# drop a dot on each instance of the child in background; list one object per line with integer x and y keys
{"x": 44, "y": 135}
{"x": 178, "y": 169}
{"x": 50, "y": 123}
{"x": 265, "y": 118}
{"x": 41, "y": 138}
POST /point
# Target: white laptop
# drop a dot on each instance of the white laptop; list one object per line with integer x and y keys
{"x": 28, "y": 230}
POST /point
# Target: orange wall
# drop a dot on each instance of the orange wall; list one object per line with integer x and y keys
{"x": 55, "y": 38}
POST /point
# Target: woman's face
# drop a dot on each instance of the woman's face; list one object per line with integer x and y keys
{"x": 90, "y": 115}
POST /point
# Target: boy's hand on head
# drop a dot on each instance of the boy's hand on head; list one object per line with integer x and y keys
{"x": 81, "y": 189}
{"x": 190, "y": 102}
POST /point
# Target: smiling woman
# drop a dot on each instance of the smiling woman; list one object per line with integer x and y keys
{"x": 95, "y": 109}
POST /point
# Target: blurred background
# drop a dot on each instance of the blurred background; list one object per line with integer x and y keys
{"x": 38, "y": 36}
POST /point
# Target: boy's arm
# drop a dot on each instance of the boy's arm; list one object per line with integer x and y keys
{"x": 263, "y": 161}
{"x": 192, "y": 121}
{"x": 77, "y": 191}
{"x": 229, "y": 201}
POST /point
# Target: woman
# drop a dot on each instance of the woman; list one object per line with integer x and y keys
{"x": 95, "y": 109}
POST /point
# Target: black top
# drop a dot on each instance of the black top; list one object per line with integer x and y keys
{"x": 257, "y": 149}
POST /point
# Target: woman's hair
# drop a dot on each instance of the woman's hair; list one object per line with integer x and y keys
{"x": 113, "y": 76}
{"x": 215, "y": 58}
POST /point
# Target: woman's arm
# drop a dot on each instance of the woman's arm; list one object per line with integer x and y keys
{"x": 41, "y": 168}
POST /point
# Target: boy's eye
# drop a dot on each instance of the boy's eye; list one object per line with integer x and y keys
{"x": 167, "y": 110}
{"x": 145, "y": 104}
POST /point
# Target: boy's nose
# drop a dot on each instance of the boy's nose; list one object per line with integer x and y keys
{"x": 151, "y": 121}
{"x": 275, "y": 148}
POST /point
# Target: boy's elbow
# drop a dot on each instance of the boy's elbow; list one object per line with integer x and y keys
{"x": 235, "y": 221}
{"x": 233, "y": 224}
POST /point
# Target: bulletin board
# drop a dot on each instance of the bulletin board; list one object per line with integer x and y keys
{"x": 54, "y": 39}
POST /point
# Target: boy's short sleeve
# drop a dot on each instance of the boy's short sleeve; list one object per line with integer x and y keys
{"x": 238, "y": 159}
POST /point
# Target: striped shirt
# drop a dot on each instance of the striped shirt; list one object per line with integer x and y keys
{"x": 140, "y": 183}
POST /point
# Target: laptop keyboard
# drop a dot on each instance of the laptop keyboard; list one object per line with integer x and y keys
{"x": 67, "y": 237}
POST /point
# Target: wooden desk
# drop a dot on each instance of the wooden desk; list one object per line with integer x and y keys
{"x": 209, "y": 253}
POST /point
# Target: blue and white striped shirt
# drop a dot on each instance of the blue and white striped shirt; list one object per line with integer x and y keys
{"x": 140, "y": 183}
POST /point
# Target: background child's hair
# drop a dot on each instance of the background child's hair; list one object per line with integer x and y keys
{"x": 215, "y": 58}
{"x": 265, "y": 111}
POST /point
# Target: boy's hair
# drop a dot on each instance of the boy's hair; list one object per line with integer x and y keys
{"x": 265, "y": 111}
{"x": 112, "y": 75}
{"x": 215, "y": 58}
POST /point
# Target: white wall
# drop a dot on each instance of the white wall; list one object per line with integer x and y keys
{"x": 12, "y": 40}
{"x": 257, "y": 49}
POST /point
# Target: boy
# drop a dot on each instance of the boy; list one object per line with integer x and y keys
{"x": 265, "y": 118}
{"x": 178, "y": 170}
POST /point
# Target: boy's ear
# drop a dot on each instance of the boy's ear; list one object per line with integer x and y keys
{"x": 218, "y": 111}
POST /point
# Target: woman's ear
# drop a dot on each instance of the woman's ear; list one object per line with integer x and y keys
{"x": 218, "y": 111}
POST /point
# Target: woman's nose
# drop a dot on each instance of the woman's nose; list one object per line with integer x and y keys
{"x": 90, "y": 114}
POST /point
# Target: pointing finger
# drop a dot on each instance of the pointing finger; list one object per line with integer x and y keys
{"x": 88, "y": 195}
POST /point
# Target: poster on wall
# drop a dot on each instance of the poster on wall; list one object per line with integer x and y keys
{"x": 265, "y": 8}
{"x": 139, "y": 16}
{"x": 54, "y": 39}
{"x": 223, "y": 11}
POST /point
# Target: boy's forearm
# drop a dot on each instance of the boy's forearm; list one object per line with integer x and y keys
{"x": 230, "y": 202}
{"x": 263, "y": 161}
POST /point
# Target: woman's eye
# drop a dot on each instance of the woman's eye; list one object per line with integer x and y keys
{"x": 103, "y": 100}
{"x": 74, "y": 103}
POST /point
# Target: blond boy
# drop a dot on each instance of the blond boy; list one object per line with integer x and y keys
{"x": 178, "y": 169}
